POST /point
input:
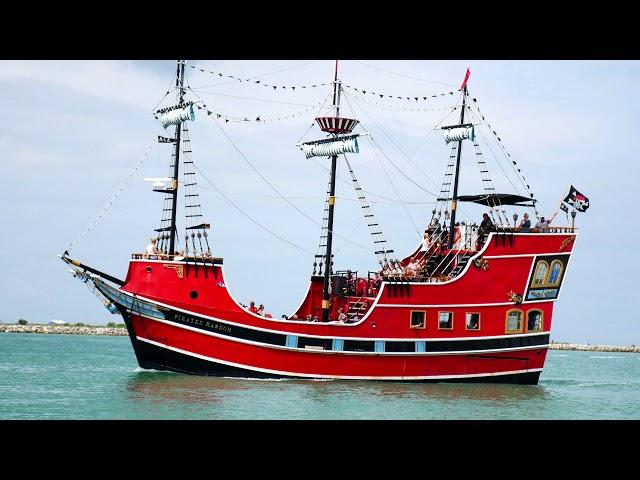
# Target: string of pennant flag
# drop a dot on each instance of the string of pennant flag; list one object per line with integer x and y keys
{"x": 514, "y": 164}
{"x": 403, "y": 109}
{"x": 419, "y": 98}
{"x": 259, "y": 118}
{"x": 258, "y": 82}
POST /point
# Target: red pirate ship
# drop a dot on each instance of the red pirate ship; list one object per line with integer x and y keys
{"x": 472, "y": 303}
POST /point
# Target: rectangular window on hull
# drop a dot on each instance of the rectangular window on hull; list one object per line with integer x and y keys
{"x": 445, "y": 320}
{"x": 315, "y": 343}
{"x": 418, "y": 319}
{"x": 473, "y": 321}
{"x": 514, "y": 321}
{"x": 400, "y": 347}
{"x": 359, "y": 346}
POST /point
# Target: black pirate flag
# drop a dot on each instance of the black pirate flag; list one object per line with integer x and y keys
{"x": 577, "y": 200}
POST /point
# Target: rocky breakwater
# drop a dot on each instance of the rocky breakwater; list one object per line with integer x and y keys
{"x": 593, "y": 348}
{"x": 63, "y": 330}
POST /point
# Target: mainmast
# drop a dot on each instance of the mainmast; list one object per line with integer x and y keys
{"x": 176, "y": 165}
{"x": 332, "y": 200}
{"x": 454, "y": 199}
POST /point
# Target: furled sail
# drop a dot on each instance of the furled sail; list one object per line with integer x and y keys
{"x": 174, "y": 117}
{"x": 330, "y": 148}
{"x": 457, "y": 134}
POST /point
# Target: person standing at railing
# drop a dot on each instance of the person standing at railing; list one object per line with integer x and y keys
{"x": 543, "y": 225}
{"x": 485, "y": 228}
{"x": 525, "y": 224}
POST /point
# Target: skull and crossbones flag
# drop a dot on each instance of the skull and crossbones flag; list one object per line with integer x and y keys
{"x": 577, "y": 200}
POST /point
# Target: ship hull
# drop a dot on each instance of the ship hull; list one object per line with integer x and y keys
{"x": 158, "y": 358}
{"x": 182, "y": 318}
{"x": 168, "y": 346}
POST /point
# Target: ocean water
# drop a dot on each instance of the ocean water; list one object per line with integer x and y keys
{"x": 87, "y": 377}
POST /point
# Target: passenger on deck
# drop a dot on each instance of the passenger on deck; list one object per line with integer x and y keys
{"x": 351, "y": 283}
{"x": 485, "y": 229}
{"x": 435, "y": 227}
{"x": 459, "y": 237}
{"x": 361, "y": 287}
{"x": 525, "y": 224}
{"x": 414, "y": 268}
{"x": 426, "y": 242}
{"x": 261, "y": 310}
{"x": 152, "y": 249}
{"x": 486, "y": 224}
{"x": 252, "y": 307}
{"x": 543, "y": 225}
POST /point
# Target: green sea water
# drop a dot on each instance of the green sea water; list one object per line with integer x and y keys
{"x": 94, "y": 377}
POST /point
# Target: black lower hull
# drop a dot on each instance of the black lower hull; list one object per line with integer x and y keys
{"x": 157, "y": 358}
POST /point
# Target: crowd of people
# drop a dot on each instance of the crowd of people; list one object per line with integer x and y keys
{"x": 257, "y": 310}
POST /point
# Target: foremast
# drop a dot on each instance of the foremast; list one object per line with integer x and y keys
{"x": 176, "y": 166}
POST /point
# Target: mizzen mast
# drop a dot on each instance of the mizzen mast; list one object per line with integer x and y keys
{"x": 454, "y": 198}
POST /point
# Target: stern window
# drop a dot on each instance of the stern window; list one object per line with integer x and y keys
{"x": 514, "y": 321}
{"x": 534, "y": 321}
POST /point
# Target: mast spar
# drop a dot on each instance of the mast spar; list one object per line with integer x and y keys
{"x": 176, "y": 165}
{"x": 332, "y": 200}
{"x": 454, "y": 199}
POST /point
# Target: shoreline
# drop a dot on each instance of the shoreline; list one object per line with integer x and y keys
{"x": 64, "y": 330}
{"x": 121, "y": 332}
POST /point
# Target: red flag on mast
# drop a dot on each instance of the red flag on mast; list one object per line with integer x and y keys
{"x": 466, "y": 78}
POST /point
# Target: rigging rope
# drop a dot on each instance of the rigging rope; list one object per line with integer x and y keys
{"x": 255, "y": 76}
{"x": 513, "y": 163}
{"x": 276, "y": 190}
{"x": 403, "y": 109}
{"x": 402, "y": 75}
{"x": 401, "y": 151}
{"x": 292, "y": 88}
{"x": 106, "y": 208}
{"x": 259, "y": 119}
{"x": 249, "y": 216}
{"x": 395, "y": 189}
{"x": 379, "y": 241}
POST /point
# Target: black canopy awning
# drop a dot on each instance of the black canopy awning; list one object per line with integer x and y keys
{"x": 493, "y": 199}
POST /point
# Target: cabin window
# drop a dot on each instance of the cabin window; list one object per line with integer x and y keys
{"x": 534, "y": 321}
{"x": 359, "y": 346}
{"x": 148, "y": 269}
{"x": 473, "y": 321}
{"x": 417, "y": 319}
{"x": 445, "y": 320}
{"x": 514, "y": 321}
{"x": 400, "y": 347}
{"x": 540, "y": 276}
{"x": 555, "y": 274}
{"x": 193, "y": 294}
{"x": 312, "y": 343}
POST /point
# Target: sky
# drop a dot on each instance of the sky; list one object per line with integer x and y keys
{"x": 77, "y": 136}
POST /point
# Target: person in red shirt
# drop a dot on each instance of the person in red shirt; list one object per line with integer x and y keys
{"x": 252, "y": 307}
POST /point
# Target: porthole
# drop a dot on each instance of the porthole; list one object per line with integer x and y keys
{"x": 193, "y": 294}
{"x": 148, "y": 269}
